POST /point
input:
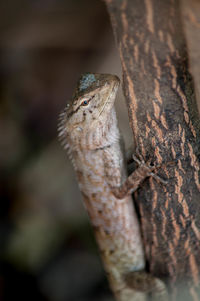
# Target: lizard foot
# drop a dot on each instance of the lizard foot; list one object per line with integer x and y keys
{"x": 141, "y": 162}
{"x": 145, "y": 282}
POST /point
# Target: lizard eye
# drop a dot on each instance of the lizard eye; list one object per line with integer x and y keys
{"x": 84, "y": 103}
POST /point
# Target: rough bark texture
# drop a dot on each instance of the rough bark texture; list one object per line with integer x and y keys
{"x": 165, "y": 123}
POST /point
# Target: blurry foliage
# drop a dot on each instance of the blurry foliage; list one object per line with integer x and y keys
{"x": 47, "y": 247}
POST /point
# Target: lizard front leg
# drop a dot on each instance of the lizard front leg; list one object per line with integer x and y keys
{"x": 133, "y": 181}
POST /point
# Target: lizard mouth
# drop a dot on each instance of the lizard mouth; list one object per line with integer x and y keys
{"x": 108, "y": 101}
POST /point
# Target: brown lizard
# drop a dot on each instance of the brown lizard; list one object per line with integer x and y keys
{"x": 89, "y": 131}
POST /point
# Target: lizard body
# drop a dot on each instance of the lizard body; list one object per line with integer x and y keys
{"x": 89, "y": 131}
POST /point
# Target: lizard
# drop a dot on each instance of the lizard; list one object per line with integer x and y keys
{"x": 89, "y": 131}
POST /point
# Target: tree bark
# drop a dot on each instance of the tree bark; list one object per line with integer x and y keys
{"x": 163, "y": 116}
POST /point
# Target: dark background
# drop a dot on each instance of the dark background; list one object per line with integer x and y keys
{"x": 47, "y": 249}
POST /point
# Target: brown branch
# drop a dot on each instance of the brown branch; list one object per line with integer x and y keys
{"x": 165, "y": 123}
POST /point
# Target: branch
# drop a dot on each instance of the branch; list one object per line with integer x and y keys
{"x": 163, "y": 116}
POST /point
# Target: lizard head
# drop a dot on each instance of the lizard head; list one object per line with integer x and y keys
{"x": 90, "y": 106}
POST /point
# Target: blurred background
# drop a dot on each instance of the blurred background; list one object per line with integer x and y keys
{"x": 47, "y": 248}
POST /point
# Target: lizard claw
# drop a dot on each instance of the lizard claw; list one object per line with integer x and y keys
{"x": 141, "y": 161}
{"x": 159, "y": 179}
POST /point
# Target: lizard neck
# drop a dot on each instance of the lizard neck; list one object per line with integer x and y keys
{"x": 102, "y": 133}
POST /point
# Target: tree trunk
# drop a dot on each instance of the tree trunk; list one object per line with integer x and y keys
{"x": 163, "y": 116}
